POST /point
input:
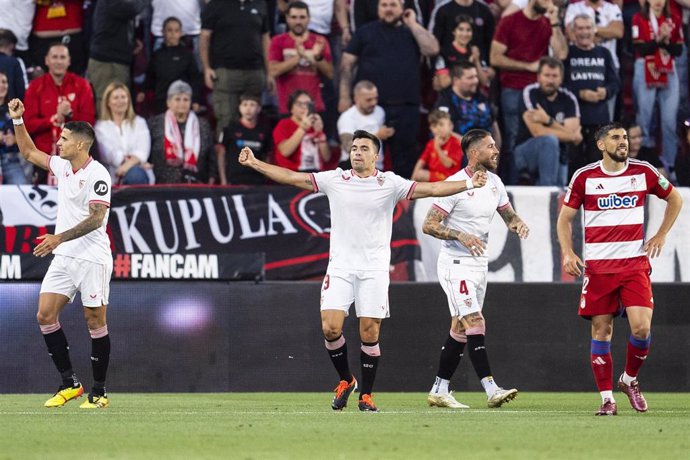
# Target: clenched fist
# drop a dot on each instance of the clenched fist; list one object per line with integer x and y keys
{"x": 246, "y": 156}
{"x": 479, "y": 178}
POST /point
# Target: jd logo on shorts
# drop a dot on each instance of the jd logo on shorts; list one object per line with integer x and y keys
{"x": 101, "y": 188}
{"x": 614, "y": 201}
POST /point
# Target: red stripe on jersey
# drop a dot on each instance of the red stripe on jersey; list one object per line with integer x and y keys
{"x": 101, "y": 202}
{"x": 614, "y": 200}
{"x": 617, "y": 265}
{"x": 440, "y": 209}
{"x": 411, "y": 191}
{"x": 614, "y": 234}
{"x": 313, "y": 182}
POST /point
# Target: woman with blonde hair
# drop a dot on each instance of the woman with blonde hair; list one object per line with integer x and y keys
{"x": 123, "y": 138}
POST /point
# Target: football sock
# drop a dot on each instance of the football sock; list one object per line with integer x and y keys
{"x": 440, "y": 386}
{"x": 602, "y": 365}
{"x": 58, "y": 349}
{"x": 635, "y": 357}
{"x": 337, "y": 350}
{"x": 608, "y": 394}
{"x": 478, "y": 355}
{"x": 100, "y": 358}
{"x": 451, "y": 353}
{"x": 489, "y": 386}
{"x": 369, "y": 358}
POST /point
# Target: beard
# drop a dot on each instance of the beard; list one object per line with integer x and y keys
{"x": 618, "y": 158}
{"x": 537, "y": 8}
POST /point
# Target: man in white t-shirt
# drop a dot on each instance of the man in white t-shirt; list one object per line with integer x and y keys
{"x": 462, "y": 221}
{"x": 366, "y": 115}
{"x": 83, "y": 261}
{"x": 362, "y": 201}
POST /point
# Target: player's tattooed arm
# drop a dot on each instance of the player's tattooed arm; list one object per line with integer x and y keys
{"x": 96, "y": 214}
{"x": 433, "y": 225}
{"x": 513, "y": 221}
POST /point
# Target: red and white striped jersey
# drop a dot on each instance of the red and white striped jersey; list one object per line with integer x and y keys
{"x": 613, "y": 206}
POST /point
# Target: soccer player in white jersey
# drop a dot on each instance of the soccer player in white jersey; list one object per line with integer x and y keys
{"x": 612, "y": 193}
{"x": 462, "y": 221}
{"x": 82, "y": 262}
{"x": 362, "y": 201}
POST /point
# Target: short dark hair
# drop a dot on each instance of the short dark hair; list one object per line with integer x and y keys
{"x": 463, "y": 19}
{"x": 471, "y": 137}
{"x": 82, "y": 129}
{"x": 170, "y": 19}
{"x": 294, "y": 95}
{"x": 550, "y": 62}
{"x": 250, "y": 97}
{"x": 604, "y": 130}
{"x": 298, "y": 5}
{"x": 54, "y": 44}
{"x": 361, "y": 134}
{"x": 7, "y": 37}
{"x": 458, "y": 70}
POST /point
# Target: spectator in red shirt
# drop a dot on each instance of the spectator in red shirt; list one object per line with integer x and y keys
{"x": 55, "y": 98}
{"x": 300, "y": 143}
{"x": 59, "y": 21}
{"x": 442, "y": 156}
{"x": 296, "y": 58}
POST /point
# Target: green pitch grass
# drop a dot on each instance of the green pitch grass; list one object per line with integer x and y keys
{"x": 303, "y": 426}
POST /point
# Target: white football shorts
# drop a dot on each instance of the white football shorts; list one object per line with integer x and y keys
{"x": 67, "y": 275}
{"x": 464, "y": 281}
{"x": 367, "y": 289}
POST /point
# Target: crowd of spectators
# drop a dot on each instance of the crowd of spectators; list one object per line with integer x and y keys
{"x": 175, "y": 88}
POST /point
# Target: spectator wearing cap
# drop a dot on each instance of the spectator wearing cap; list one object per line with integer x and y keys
{"x": 181, "y": 142}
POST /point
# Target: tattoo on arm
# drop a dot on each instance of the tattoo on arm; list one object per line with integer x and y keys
{"x": 91, "y": 223}
{"x": 508, "y": 214}
{"x": 433, "y": 225}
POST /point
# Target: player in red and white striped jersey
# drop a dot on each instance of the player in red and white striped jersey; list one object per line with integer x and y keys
{"x": 612, "y": 192}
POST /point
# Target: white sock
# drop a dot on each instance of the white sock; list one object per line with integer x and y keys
{"x": 608, "y": 394}
{"x": 440, "y": 386}
{"x": 627, "y": 379}
{"x": 489, "y": 385}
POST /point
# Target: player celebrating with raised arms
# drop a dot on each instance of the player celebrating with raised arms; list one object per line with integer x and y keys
{"x": 83, "y": 261}
{"x": 362, "y": 201}
{"x": 463, "y": 221}
{"x": 612, "y": 193}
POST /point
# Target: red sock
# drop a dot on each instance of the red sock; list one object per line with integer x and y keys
{"x": 602, "y": 364}
{"x": 637, "y": 353}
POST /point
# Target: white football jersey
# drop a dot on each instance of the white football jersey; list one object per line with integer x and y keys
{"x": 76, "y": 190}
{"x": 471, "y": 211}
{"x": 361, "y": 216}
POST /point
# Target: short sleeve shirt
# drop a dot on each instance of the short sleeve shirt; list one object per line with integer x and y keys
{"x": 361, "y": 216}
{"x": 76, "y": 191}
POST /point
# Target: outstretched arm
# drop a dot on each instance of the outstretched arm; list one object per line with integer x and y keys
{"x": 24, "y": 142}
{"x": 513, "y": 221}
{"x": 564, "y": 228}
{"x": 91, "y": 223}
{"x": 433, "y": 225}
{"x": 449, "y": 187}
{"x": 276, "y": 173}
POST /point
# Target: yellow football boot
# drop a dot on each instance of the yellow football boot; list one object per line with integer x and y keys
{"x": 63, "y": 395}
{"x": 95, "y": 402}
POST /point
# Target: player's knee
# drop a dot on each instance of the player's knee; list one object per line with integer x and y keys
{"x": 330, "y": 331}
{"x": 476, "y": 329}
{"x": 93, "y": 320}
{"x": 43, "y": 317}
{"x": 640, "y": 332}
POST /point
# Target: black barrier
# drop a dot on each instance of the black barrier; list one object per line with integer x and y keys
{"x": 214, "y": 336}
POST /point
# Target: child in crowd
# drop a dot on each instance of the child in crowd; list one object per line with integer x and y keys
{"x": 442, "y": 155}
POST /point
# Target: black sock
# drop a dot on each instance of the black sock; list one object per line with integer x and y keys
{"x": 369, "y": 366}
{"x": 478, "y": 356}
{"x": 58, "y": 349}
{"x": 339, "y": 360}
{"x": 100, "y": 357}
{"x": 451, "y": 353}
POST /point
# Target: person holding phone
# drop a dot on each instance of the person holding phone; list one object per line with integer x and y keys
{"x": 300, "y": 143}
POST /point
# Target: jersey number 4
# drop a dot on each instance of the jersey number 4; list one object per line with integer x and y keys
{"x": 463, "y": 287}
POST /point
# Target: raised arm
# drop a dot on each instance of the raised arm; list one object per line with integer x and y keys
{"x": 447, "y": 187}
{"x": 24, "y": 142}
{"x": 513, "y": 221}
{"x": 564, "y": 228}
{"x": 434, "y": 226}
{"x": 276, "y": 173}
{"x": 50, "y": 242}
